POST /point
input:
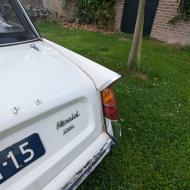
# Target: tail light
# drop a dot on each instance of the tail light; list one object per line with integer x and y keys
{"x": 109, "y": 104}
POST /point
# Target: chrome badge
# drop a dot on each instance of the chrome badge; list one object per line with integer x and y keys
{"x": 15, "y": 110}
{"x": 63, "y": 123}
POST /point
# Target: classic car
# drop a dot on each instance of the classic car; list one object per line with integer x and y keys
{"x": 58, "y": 116}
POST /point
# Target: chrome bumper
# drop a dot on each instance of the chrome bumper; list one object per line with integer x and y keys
{"x": 81, "y": 175}
{"x": 113, "y": 128}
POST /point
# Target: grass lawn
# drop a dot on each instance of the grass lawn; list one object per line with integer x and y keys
{"x": 155, "y": 112}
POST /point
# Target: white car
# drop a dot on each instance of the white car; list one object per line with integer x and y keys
{"x": 57, "y": 109}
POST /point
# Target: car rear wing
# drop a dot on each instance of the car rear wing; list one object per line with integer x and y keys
{"x": 101, "y": 76}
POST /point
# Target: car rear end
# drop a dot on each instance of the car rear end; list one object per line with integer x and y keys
{"x": 55, "y": 122}
{"x": 79, "y": 169}
{"x": 57, "y": 111}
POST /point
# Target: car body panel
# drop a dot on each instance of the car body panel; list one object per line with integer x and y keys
{"x": 101, "y": 76}
{"x": 45, "y": 74}
{"x": 51, "y": 91}
{"x": 83, "y": 165}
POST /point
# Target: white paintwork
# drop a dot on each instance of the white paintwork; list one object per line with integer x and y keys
{"x": 101, "y": 76}
{"x": 49, "y": 75}
{"x": 64, "y": 82}
{"x": 61, "y": 179}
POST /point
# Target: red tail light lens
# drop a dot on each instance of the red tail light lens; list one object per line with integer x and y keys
{"x": 109, "y": 104}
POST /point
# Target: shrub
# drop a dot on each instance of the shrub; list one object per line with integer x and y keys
{"x": 184, "y": 9}
{"x": 64, "y": 3}
{"x": 99, "y": 12}
{"x": 183, "y": 12}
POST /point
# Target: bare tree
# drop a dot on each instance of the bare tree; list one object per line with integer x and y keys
{"x": 134, "y": 60}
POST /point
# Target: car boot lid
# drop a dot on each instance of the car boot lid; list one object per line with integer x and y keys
{"x": 101, "y": 76}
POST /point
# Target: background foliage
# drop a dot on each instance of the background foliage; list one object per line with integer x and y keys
{"x": 185, "y": 9}
{"x": 183, "y": 12}
{"x": 154, "y": 153}
{"x": 64, "y": 3}
{"x": 99, "y": 12}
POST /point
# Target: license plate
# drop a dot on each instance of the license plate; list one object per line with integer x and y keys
{"x": 18, "y": 156}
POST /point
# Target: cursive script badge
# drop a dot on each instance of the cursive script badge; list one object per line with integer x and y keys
{"x": 62, "y": 123}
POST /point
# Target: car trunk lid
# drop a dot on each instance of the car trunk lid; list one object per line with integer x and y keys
{"x": 43, "y": 92}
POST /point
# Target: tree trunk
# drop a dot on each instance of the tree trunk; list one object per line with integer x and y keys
{"x": 134, "y": 60}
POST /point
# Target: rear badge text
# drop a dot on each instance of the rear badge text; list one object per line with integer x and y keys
{"x": 60, "y": 124}
{"x": 65, "y": 131}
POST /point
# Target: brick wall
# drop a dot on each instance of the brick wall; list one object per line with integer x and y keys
{"x": 119, "y": 13}
{"x": 53, "y": 5}
{"x": 67, "y": 12}
{"x": 162, "y": 30}
{"x": 34, "y": 3}
{"x": 56, "y": 6}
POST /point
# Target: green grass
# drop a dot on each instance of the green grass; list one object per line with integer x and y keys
{"x": 155, "y": 113}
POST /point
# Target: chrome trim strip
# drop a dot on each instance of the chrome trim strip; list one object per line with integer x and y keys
{"x": 38, "y": 37}
{"x": 117, "y": 130}
{"x": 81, "y": 175}
{"x": 18, "y": 43}
{"x": 108, "y": 83}
{"x": 29, "y": 21}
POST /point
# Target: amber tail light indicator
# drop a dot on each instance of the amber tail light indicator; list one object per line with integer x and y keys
{"x": 109, "y": 104}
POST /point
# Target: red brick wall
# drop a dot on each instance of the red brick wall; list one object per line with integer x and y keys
{"x": 53, "y": 5}
{"x": 162, "y": 30}
{"x": 56, "y": 6}
{"x": 34, "y": 3}
{"x": 67, "y": 12}
{"x": 118, "y": 13}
